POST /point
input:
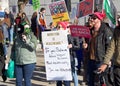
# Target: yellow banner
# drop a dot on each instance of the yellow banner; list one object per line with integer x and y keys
{"x": 60, "y": 17}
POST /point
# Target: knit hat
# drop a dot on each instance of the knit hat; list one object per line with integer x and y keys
{"x": 99, "y": 15}
{"x": 63, "y": 24}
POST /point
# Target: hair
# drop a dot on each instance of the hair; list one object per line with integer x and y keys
{"x": 23, "y": 14}
{"x": 42, "y": 9}
{"x": 34, "y": 15}
{"x": 19, "y": 14}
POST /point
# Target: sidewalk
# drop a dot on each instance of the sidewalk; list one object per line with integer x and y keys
{"x": 39, "y": 76}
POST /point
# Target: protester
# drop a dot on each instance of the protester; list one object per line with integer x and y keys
{"x": 2, "y": 56}
{"x": 89, "y": 24}
{"x": 34, "y": 23}
{"x": 23, "y": 53}
{"x": 42, "y": 20}
{"x": 73, "y": 44}
{"x": 101, "y": 37}
{"x": 113, "y": 52}
{"x": 24, "y": 18}
{"x": 5, "y": 26}
{"x": 9, "y": 15}
{"x": 79, "y": 52}
{"x": 41, "y": 23}
{"x": 17, "y": 23}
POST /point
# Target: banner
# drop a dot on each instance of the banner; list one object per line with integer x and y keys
{"x": 80, "y": 31}
{"x": 36, "y": 4}
{"x": 59, "y": 11}
{"x": 85, "y": 8}
{"x": 57, "y": 55}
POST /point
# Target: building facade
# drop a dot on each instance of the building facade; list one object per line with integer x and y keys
{"x": 45, "y": 3}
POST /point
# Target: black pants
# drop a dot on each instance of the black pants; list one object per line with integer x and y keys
{"x": 117, "y": 75}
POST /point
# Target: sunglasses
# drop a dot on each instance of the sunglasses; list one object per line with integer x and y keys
{"x": 93, "y": 18}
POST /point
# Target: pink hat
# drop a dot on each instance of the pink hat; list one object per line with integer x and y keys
{"x": 63, "y": 24}
{"x": 99, "y": 15}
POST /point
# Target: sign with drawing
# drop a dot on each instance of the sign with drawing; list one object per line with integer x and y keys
{"x": 85, "y": 8}
{"x": 59, "y": 11}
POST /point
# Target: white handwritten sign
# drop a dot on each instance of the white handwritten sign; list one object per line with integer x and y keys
{"x": 57, "y": 56}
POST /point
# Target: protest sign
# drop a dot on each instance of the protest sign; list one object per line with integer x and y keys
{"x": 57, "y": 56}
{"x": 59, "y": 11}
{"x": 85, "y": 8}
{"x": 98, "y": 5}
{"x": 36, "y": 4}
{"x": 80, "y": 31}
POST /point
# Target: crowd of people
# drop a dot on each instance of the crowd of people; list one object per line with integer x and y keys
{"x": 98, "y": 54}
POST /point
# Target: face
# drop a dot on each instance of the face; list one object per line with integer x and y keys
{"x": 95, "y": 22}
{"x": 43, "y": 11}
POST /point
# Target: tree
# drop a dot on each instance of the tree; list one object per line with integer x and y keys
{"x": 21, "y": 5}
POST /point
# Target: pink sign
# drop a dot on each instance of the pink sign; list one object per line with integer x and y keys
{"x": 80, "y": 31}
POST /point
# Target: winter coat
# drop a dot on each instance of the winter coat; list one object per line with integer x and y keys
{"x": 102, "y": 41}
{"x": 75, "y": 46}
{"x": 114, "y": 49}
{"x": 24, "y": 52}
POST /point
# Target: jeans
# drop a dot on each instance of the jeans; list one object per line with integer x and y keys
{"x": 5, "y": 47}
{"x": 24, "y": 71}
{"x": 92, "y": 66}
{"x": 66, "y": 83}
{"x": 11, "y": 30}
{"x": 75, "y": 78}
{"x": 79, "y": 54}
{"x": 41, "y": 28}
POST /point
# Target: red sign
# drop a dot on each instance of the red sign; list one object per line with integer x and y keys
{"x": 85, "y": 8}
{"x": 80, "y": 31}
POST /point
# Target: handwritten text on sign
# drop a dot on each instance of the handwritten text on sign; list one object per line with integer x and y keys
{"x": 57, "y": 57}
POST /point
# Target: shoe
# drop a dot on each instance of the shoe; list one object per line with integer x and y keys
{"x": 4, "y": 78}
{"x": 79, "y": 72}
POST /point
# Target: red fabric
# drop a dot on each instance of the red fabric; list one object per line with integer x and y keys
{"x": 63, "y": 24}
{"x": 99, "y": 15}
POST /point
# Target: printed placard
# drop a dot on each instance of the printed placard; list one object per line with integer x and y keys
{"x": 80, "y": 31}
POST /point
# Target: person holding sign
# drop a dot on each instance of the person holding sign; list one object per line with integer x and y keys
{"x": 23, "y": 53}
{"x": 73, "y": 44}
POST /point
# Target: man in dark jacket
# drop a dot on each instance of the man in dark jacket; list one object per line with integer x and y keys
{"x": 101, "y": 37}
{"x": 113, "y": 49}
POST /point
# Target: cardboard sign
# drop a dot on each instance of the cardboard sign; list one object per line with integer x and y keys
{"x": 57, "y": 56}
{"x": 80, "y": 31}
